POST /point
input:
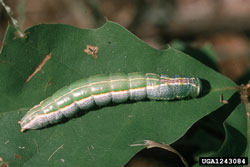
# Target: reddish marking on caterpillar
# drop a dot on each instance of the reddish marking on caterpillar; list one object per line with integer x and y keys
{"x": 40, "y": 66}
{"x": 177, "y": 80}
{"x": 91, "y": 50}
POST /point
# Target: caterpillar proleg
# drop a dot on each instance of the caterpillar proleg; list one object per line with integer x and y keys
{"x": 103, "y": 89}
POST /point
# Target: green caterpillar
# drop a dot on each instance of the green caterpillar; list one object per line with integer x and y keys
{"x": 103, "y": 89}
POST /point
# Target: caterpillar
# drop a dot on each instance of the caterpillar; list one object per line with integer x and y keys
{"x": 102, "y": 89}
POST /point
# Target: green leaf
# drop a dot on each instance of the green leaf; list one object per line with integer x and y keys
{"x": 204, "y": 54}
{"x": 206, "y": 139}
{"x": 235, "y": 143}
{"x": 102, "y": 136}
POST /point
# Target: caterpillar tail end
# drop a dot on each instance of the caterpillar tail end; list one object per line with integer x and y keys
{"x": 197, "y": 89}
{"x": 22, "y": 129}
